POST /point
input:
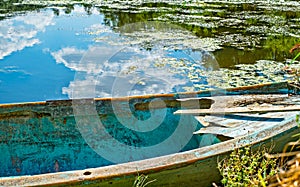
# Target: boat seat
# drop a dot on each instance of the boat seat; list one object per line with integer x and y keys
{"x": 236, "y": 125}
{"x": 247, "y": 113}
{"x": 234, "y": 110}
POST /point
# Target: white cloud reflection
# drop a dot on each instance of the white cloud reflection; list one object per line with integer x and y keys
{"x": 82, "y": 10}
{"x": 20, "y": 32}
{"x": 111, "y": 72}
{"x": 121, "y": 66}
{"x": 90, "y": 61}
{"x": 70, "y": 57}
{"x": 13, "y": 69}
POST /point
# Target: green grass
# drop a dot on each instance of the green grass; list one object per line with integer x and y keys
{"x": 294, "y": 59}
{"x": 142, "y": 181}
{"x": 245, "y": 167}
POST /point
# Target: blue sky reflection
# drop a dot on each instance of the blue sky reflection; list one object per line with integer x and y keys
{"x": 44, "y": 57}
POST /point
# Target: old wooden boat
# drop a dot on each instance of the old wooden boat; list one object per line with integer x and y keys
{"x": 108, "y": 142}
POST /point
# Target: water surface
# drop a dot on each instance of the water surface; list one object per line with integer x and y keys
{"x": 58, "y": 50}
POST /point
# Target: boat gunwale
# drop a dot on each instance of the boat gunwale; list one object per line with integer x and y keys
{"x": 148, "y": 96}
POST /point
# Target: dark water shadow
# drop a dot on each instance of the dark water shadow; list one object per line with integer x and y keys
{"x": 251, "y": 118}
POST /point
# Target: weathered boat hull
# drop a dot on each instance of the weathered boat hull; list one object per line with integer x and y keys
{"x": 42, "y": 145}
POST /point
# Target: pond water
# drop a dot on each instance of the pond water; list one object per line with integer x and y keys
{"x": 58, "y": 50}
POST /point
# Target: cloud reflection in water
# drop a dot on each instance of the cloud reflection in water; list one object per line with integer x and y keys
{"x": 20, "y": 32}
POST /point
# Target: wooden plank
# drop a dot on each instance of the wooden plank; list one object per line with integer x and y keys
{"x": 235, "y": 120}
{"x": 240, "y": 100}
{"x": 245, "y": 127}
{"x": 246, "y": 97}
{"x": 206, "y": 123}
{"x": 249, "y": 109}
{"x": 215, "y": 130}
{"x": 202, "y": 120}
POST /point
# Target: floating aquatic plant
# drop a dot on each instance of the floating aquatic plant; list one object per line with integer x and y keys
{"x": 216, "y": 19}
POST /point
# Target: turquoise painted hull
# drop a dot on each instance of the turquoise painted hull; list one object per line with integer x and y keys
{"x": 57, "y": 143}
